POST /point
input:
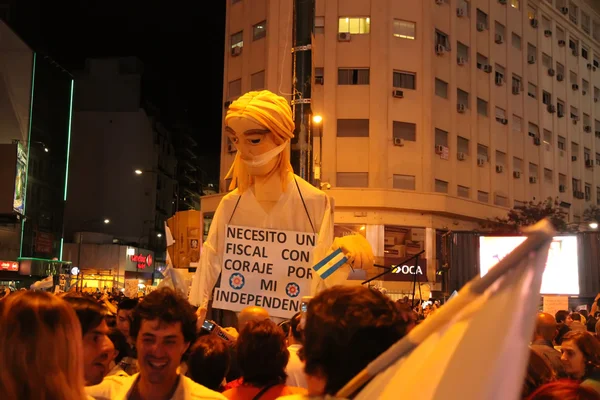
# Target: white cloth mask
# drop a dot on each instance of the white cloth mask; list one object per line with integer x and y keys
{"x": 264, "y": 158}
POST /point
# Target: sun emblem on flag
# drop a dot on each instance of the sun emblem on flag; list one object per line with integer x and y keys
{"x": 237, "y": 281}
{"x": 292, "y": 289}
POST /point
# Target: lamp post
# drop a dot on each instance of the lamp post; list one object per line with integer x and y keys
{"x": 318, "y": 170}
{"x": 105, "y": 221}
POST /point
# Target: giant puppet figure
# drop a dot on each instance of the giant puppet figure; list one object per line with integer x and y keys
{"x": 267, "y": 196}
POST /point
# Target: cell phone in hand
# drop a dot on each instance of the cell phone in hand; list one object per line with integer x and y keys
{"x": 208, "y": 326}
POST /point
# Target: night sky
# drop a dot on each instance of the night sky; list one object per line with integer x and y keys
{"x": 180, "y": 43}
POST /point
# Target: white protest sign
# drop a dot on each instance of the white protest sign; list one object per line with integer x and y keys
{"x": 266, "y": 268}
{"x": 552, "y": 304}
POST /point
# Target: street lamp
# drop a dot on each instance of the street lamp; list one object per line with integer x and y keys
{"x": 138, "y": 171}
{"x": 317, "y": 119}
{"x": 593, "y": 225}
{"x": 159, "y": 235}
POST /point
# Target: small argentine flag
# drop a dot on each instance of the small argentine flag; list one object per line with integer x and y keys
{"x": 330, "y": 264}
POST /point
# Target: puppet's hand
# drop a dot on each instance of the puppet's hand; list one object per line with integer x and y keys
{"x": 357, "y": 249}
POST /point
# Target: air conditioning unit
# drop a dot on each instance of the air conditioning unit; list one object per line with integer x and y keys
{"x": 516, "y": 90}
{"x": 597, "y": 133}
{"x": 499, "y": 169}
{"x": 574, "y": 117}
{"x": 551, "y": 72}
{"x": 461, "y": 12}
{"x": 560, "y": 77}
{"x": 439, "y": 49}
{"x": 531, "y": 59}
{"x": 344, "y": 37}
{"x": 534, "y": 23}
{"x": 562, "y": 43}
{"x": 532, "y": 179}
{"x": 575, "y": 86}
{"x": 439, "y": 149}
{"x": 480, "y": 162}
{"x": 461, "y": 61}
{"x": 547, "y": 33}
{"x": 551, "y": 108}
{"x": 589, "y": 163}
{"x": 461, "y": 108}
{"x": 461, "y": 156}
{"x": 397, "y": 93}
{"x": 587, "y": 128}
{"x": 503, "y": 121}
{"x": 398, "y": 141}
{"x": 562, "y": 188}
{"x": 480, "y": 27}
{"x": 236, "y": 51}
{"x": 573, "y": 158}
{"x": 564, "y": 10}
{"x": 487, "y": 68}
{"x": 517, "y": 174}
{"x": 499, "y": 38}
{"x": 537, "y": 141}
{"x": 319, "y": 80}
{"x": 499, "y": 81}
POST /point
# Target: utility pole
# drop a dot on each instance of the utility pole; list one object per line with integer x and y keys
{"x": 302, "y": 144}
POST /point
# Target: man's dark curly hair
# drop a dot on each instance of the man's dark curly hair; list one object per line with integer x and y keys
{"x": 167, "y": 306}
{"x": 262, "y": 354}
{"x": 347, "y": 328}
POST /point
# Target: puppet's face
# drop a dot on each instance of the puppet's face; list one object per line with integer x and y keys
{"x": 256, "y": 144}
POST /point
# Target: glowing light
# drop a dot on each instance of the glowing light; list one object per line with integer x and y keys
{"x": 317, "y": 119}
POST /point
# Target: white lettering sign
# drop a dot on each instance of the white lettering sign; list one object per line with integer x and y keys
{"x": 408, "y": 270}
{"x": 266, "y": 268}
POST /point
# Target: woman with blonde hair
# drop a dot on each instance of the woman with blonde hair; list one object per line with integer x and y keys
{"x": 41, "y": 349}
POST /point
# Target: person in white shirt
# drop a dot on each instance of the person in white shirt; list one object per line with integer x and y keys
{"x": 163, "y": 326}
{"x": 295, "y": 366}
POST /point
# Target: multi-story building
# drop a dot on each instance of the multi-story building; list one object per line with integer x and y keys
{"x": 436, "y": 114}
{"x": 123, "y": 161}
{"x": 36, "y": 97}
{"x": 190, "y": 188}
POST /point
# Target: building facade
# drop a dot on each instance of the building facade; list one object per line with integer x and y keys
{"x": 436, "y": 114}
{"x": 123, "y": 160}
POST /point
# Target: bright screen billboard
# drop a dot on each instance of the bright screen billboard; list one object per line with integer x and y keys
{"x": 561, "y": 275}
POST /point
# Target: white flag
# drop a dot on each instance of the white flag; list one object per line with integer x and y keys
{"x": 468, "y": 349}
{"x": 169, "y": 236}
{"x": 45, "y": 283}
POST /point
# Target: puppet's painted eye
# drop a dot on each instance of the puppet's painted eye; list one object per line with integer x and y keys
{"x": 255, "y": 141}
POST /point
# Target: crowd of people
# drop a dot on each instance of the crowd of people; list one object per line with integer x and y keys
{"x": 75, "y": 346}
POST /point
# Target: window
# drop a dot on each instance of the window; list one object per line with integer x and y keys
{"x": 598, "y": 195}
{"x": 586, "y": 154}
{"x": 441, "y": 186}
{"x": 576, "y": 183}
{"x": 482, "y": 152}
{"x": 546, "y": 98}
{"x": 500, "y": 200}
{"x": 355, "y": 25}
{"x": 516, "y": 82}
{"x": 597, "y": 125}
{"x": 500, "y": 114}
{"x": 353, "y": 76}
{"x": 548, "y": 178}
{"x": 405, "y": 130}
{"x": 462, "y": 191}
{"x": 531, "y": 51}
{"x": 562, "y": 180}
{"x": 547, "y": 139}
{"x": 585, "y": 87}
{"x": 404, "y": 29}
{"x": 573, "y": 77}
{"x": 516, "y": 41}
{"x": 560, "y": 69}
{"x": 533, "y": 170}
{"x": 352, "y": 128}
{"x": 482, "y": 18}
{"x": 574, "y": 45}
{"x": 518, "y": 164}
{"x": 596, "y": 93}
{"x": 596, "y": 35}
{"x": 482, "y": 107}
{"x": 462, "y": 145}
{"x": 237, "y": 39}
{"x": 519, "y": 203}
{"x": 259, "y": 30}
{"x": 588, "y": 191}
{"x": 574, "y": 112}
{"x": 573, "y": 12}
{"x": 257, "y": 81}
{"x": 500, "y": 72}
{"x": 500, "y": 29}
{"x": 546, "y": 61}
{"x": 404, "y": 182}
{"x": 352, "y": 179}
{"x": 574, "y": 149}
{"x": 585, "y": 53}
{"x": 534, "y": 130}
{"x": 481, "y": 61}
{"x": 562, "y": 143}
{"x": 319, "y": 24}
{"x": 462, "y": 97}
{"x": 441, "y": 88}
{"x": 404, "y": 80}
{"x": 560, "y": 34}
{"x": 319, "y": 72}
{"x": 483, "y": 196}
{"x": 442, "y": 39}
{"x": 531, "y": 11}
{"x": 441, "y": 137}
{"x": 235, "y": 89}
{"x": 560, "y": 107}
{"x": 587, "y": 121}
{"x": 500, "y": 158}
{"x": 515, "y": 4}
{"x": 532, "y": 90}
{"x": 517, "y": 125}
{"x": 462, "y": 51}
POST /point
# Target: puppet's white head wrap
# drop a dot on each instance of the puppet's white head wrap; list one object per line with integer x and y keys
{"x": 274, "y": 113}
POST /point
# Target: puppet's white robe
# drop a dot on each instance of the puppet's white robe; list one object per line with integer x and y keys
{"x": 287, "y": 214}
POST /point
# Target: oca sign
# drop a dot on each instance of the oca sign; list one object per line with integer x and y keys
{"x": 407, "y": 272}
{"x": 407, "y": 269}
